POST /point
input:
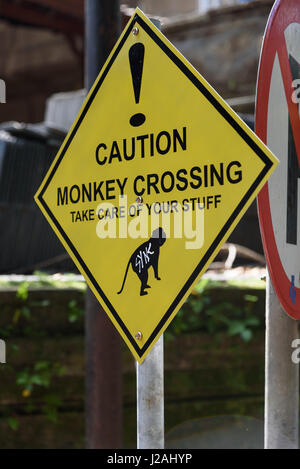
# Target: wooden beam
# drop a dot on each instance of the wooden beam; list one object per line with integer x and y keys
{"x": 27, "y": 14}
{"x": 73, "y": 8}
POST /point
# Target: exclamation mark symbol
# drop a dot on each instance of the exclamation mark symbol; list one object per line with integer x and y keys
{"x": 136, "y": 59}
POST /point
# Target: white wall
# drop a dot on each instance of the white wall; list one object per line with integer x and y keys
{"x": 171, "y": 8}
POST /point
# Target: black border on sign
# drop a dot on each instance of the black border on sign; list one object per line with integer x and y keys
{"x": 268, "y": 165}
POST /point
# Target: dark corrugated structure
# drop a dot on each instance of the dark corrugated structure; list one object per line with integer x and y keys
{"x": 27, "y": 241}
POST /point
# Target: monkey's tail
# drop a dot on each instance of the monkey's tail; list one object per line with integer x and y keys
{"x": 124, "y": 278}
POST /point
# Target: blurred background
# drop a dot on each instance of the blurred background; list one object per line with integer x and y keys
{"x": 214, "y": 350}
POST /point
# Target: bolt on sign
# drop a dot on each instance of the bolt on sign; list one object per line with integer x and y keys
{"x": 153, "y": 176}
{"x": 278, "y": 124}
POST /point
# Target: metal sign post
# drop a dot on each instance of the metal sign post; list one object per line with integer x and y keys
{"x": 150, "y": 390}
{"x": 103, "y": 380}
{"x": 150, "y": 399}
{"x": 281, "y": 376}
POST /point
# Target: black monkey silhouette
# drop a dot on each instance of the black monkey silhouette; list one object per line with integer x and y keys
{"x": 146, "y": 255}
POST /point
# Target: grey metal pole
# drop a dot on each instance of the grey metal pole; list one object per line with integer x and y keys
{"x": 93, "y": 60}
{"x": 150, "y": 390}
{"x": 103, "y": 393}
{"x": 281, "y": 376}
{"x": 150, "y": 399}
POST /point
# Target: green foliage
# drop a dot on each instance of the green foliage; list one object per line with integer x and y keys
{"x": 202, "y": 312}
{"x": 22, "y": 292}
{"x": 74, "y": 311}
{"x": 55, "y": 281}
{"x": 41, "y": 374}
{"x": 44, "y": 280}
{"x": 50, "y": 408}
{"x": 13, "y": 423}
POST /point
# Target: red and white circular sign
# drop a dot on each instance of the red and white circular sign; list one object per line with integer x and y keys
{"x": 278, "y": 125}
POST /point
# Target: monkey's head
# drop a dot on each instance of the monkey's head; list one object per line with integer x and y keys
{"x": 160, "y": 235}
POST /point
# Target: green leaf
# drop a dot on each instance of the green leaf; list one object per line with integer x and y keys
{"x": 22, "y": 292}
{"x": 40, "y": 380}
{"x": 15, "y": 348}
{"x": 22, "y": 378}
{"x": 16, "y": 316}
{"x": 25, "y": 311}
{"x": 13, "y": 423}
{"x": 74, "y": 312}
{"x": 236, "y": 327}
{"x": 252, "y": 298}
{"x": 253, "y": 321}
{"x": 42, "y": 365}
{"x": 197, "y": 306}
{"x": 246, "y": 335}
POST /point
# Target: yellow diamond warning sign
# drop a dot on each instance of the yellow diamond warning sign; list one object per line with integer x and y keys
{"x": 153, "y": 176}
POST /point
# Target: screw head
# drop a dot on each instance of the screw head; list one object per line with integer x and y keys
{"x": 138, "y": 335}
{"x": 139, "y": 199}
{"x": 135, "y": 31}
